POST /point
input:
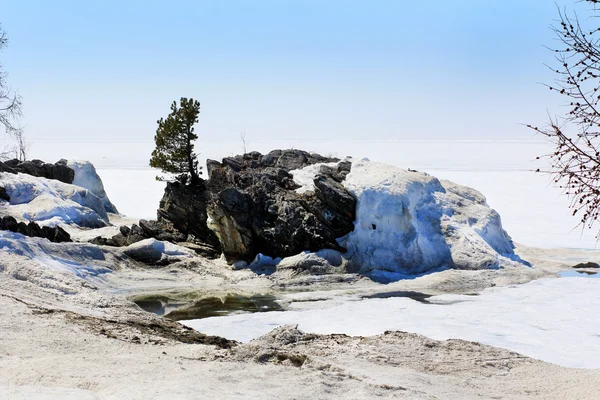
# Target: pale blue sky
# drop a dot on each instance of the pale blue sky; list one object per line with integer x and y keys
{"x": 466, "y": 69}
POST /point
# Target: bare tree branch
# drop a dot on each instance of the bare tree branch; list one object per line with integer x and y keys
{"x": 10, "y": 112}
{"x": 575, "y": 161}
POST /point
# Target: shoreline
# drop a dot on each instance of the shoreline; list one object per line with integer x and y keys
{"x": 62, "y": 343}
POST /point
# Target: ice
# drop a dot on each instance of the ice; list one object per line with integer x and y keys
{"x": 51, "y": 202}
{"x": 410, "y": 222}
{"x": 87, "y": 178}
{"x": 554, "y": 320}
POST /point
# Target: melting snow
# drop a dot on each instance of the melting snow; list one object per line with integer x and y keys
{"x": 554, "y": 320}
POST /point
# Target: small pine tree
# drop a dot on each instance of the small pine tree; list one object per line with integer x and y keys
{"x": 174, "y": 152}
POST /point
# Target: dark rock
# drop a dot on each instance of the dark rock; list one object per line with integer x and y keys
{"x": 125, "y": 230}
{"x": 183, "y": 207}
{"x": 588, "y": 264}
{"x": 150, "y": 228}
{"x": 100, "y": 241}
{"x": 121, "y": 240}
{"x": 4, "y": 167}
{"x": 203, "y": 250}
{"x": 54, "y": 234}
{"x": 8, "y": 223}
{"x": 335, "y": 196}
{"x": 4, "y": 195}
{"x": 59, "y": 171}
{"x": 12, "y": 163}
{"x": 255, "y": 209}
{"x": 337, "y": 173}
{"x": 34, "y": 229}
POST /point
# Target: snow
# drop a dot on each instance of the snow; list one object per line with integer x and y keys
{"x": 305, "y": 176}
{"x": 155, "y": 250}
{"x": 87, "y": 178}
{"x": 410, "y": 222}
{"x": 51, "y": 202}
{"x": 554, "y": 320}
{"x": 85, "y": 261}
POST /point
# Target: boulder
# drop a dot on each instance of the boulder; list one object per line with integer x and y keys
{"x": 154, "y": 252}
{"x": 183, "y": 207}
{"x": 254, "y": 206}
{"x": 3, "y": 195}
{"x": 54, "y": 234}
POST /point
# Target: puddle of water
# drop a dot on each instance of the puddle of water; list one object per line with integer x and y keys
{"x": 209, "y": 306}
{"x": 417, "y": 296}
{"x": 579, "y": 274}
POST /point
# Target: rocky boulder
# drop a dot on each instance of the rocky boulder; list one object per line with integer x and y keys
{"x": 3, "y": 195}
{"x": 54, "y": 234}
{"x": 183, "y": 208}
{"x": 255, "y": 206}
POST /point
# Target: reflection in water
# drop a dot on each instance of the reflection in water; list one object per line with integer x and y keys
{"x": 579, "y": 274}
{"x": 417, "y": 296}
{"x": 208, "y": 306}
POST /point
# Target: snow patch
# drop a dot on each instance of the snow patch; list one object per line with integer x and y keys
{"x": 85, "y": 261}
{"x": 51, "y": 202}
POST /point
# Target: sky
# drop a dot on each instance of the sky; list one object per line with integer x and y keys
{"x": 334, "y": 70}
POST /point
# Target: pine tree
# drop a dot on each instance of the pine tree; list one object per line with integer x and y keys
{"x": 174, "y": 153}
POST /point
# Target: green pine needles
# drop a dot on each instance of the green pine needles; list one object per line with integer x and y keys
{"x": 174, "y": 152}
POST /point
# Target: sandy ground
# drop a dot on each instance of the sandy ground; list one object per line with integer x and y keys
{"x": 63, "y": 337}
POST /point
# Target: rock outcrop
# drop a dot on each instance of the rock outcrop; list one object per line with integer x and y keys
{"x": 54, "y": 234}
{"x": 159, "y": 231}
{"x": 183, "y": 208}
{"x": 255, "y": 205}
{"x": 251, "y": 204}
{"x": 59, "y": 171}
{"x": 382, "y": 218}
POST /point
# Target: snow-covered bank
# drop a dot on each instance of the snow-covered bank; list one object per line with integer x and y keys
{"x": 554, "y": 320}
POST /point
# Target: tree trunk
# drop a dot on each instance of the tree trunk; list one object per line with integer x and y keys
{"x": 193, "y": 173}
